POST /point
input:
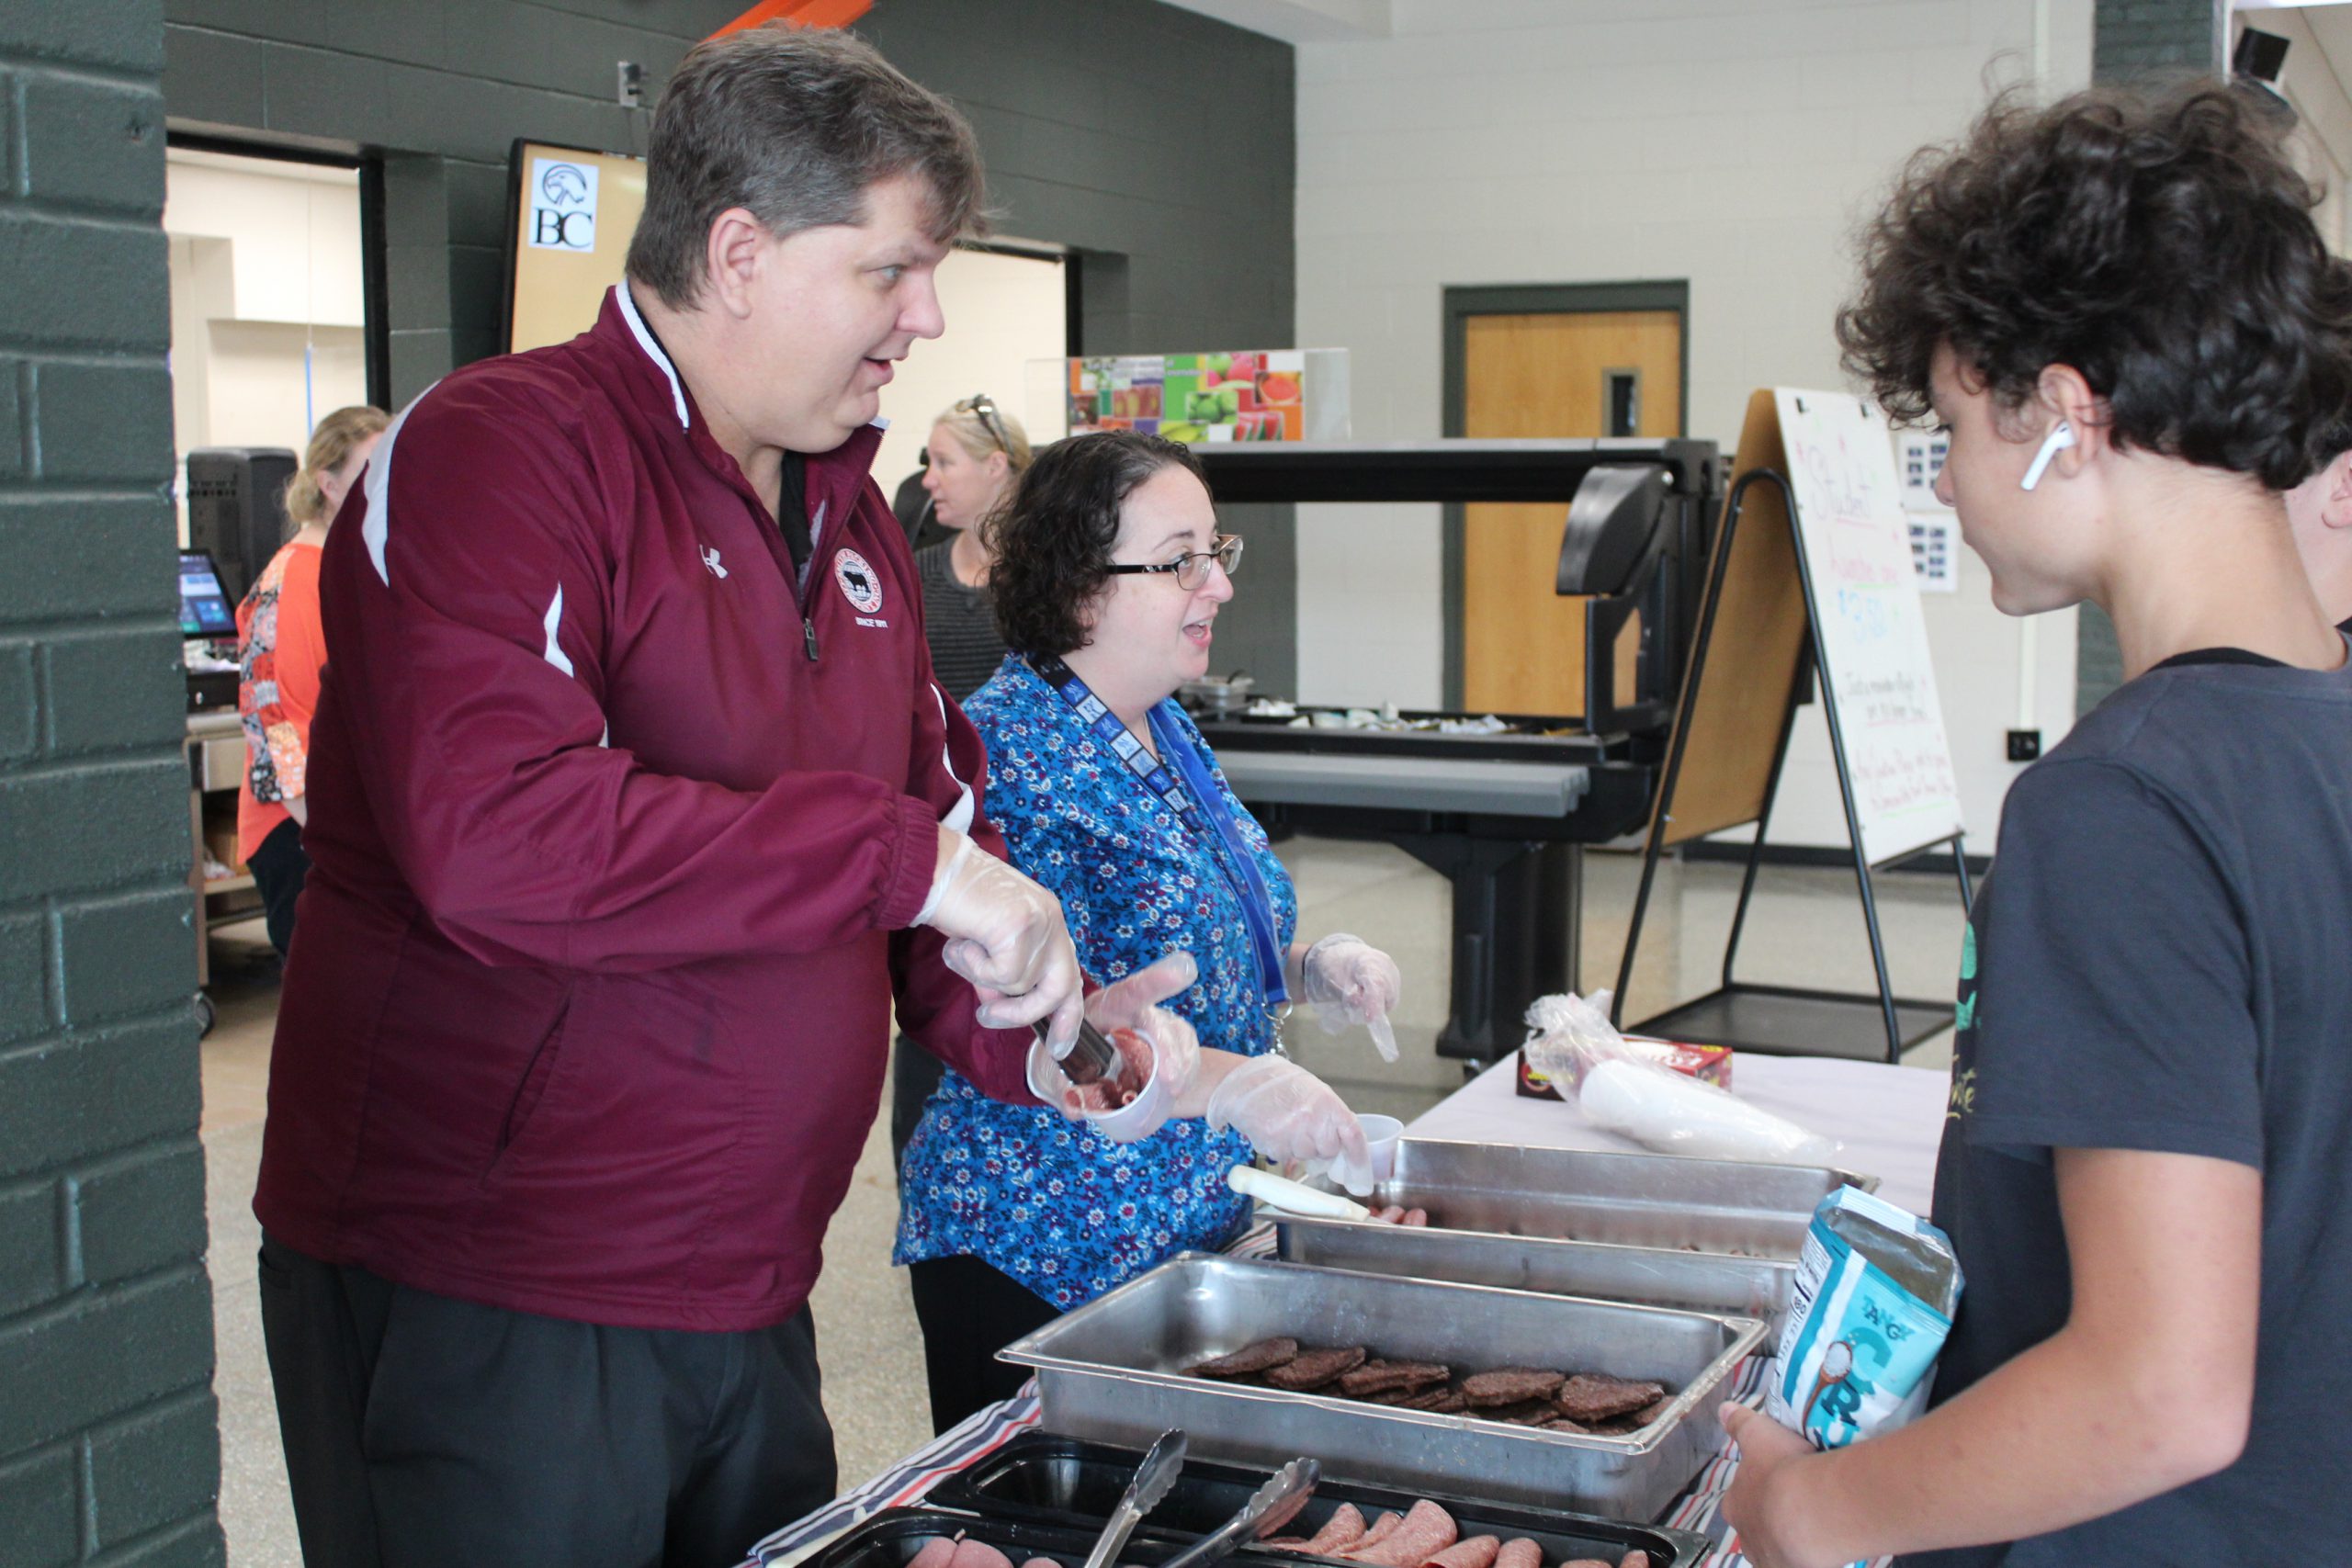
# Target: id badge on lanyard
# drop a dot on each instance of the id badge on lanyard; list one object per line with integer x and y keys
{"x": 1189, "y": 790}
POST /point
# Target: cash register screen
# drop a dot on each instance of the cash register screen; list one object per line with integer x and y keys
{"x": 204, "y": 604}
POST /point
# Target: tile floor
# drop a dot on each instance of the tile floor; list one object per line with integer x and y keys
{"x": 1805, "y": 928}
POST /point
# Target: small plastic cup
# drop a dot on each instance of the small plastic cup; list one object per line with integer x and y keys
{"x": 1380, "y": 1136}
{"x": 1139, "y": 1117}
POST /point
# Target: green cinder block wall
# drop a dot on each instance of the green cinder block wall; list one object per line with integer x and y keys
{"x": 109, "y": 1446}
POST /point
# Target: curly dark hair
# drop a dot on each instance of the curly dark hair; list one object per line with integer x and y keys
{"x": 1053, "y": 540}
{"x": 2157, "y": 241}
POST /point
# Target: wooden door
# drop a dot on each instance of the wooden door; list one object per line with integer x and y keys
{"x": 1558, "y": 374}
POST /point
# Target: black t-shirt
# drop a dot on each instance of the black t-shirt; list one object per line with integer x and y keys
{"x": 792, "y": 511}
{"x": 2162, "y": 959}
{"x": 958, "y": 622}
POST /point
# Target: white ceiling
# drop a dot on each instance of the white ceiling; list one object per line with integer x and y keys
{"x": 266, "y": 168}
{"x": 1299, "y": 21}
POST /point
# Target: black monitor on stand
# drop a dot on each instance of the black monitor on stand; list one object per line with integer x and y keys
{"x": 205, "y": 610}
{"x": 208, "y": 615}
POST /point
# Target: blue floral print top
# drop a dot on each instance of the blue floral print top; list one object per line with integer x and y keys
{"x": 1048, "y": 1200}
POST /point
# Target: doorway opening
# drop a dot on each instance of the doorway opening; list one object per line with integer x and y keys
{"x": 1577, "y": 360}
{"x": 269, "y": 304}
{"x": 1008, "y": 307}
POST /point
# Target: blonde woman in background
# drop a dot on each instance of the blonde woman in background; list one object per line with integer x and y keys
{"x": 973, "y": 459}
{"x": 977, "y": 453}
{"x": 280, "y": 651}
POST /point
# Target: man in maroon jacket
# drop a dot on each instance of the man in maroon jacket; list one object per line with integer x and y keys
{"x": 634, "y": 806}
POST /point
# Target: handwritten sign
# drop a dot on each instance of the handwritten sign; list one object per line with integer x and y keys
{"x": 1857, "y": 543}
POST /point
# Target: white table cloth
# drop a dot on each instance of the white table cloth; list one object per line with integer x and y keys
{"x": 1888, "y": 1119}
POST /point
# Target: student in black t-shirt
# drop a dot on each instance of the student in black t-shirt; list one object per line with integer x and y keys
{"x": 2320, "y": 510}
{"x": 2122, "y": 310}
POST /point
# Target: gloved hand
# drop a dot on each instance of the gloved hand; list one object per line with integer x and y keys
{"x": 1006, "y": 936}
{"x": 1175, "y": 1050}
{"x": 1287, "y": 1112}
{"x": 1346, "y": 980}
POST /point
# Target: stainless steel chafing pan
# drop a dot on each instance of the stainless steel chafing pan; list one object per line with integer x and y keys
{"x": 1713, "y": 1235}
{"x": 1115, "y": 1369}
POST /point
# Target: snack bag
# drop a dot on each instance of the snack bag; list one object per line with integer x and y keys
{"x": 1876, "y": 1286}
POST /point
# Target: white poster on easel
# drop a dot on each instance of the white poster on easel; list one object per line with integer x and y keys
{"x": 1855, "y": 541}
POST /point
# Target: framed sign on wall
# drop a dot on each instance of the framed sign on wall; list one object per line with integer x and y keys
{"x": 573, "y": 213}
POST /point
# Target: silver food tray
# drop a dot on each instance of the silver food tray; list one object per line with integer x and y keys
{"x": 1665, "y": 1230}
{"x": 1114, "y": 1369}
{"x": 1736, "y": 1207}
{"x": 1696, "y": 1282}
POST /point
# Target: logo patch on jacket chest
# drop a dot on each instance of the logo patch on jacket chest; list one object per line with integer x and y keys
{"x": 858, "y": 582}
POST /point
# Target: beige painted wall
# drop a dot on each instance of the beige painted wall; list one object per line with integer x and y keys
{"x": 266, "y": 300}
{"x": 1002, "y": 311}
{"x": 2310, "y": 83}
{"x": 1733, "y": 143}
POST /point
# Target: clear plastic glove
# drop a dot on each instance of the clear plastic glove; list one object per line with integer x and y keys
{"x": 1007, "y": 937}
{"x": 1287, "y": 1113}
{"x": 1174, "y": 1051}
{"x": 1346, "y": 980}
{"x": 1134, "y": 1003}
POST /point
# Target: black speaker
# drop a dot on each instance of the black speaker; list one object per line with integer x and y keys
{"x": 236, "y": 509}
{"x": 2259, "y": 55}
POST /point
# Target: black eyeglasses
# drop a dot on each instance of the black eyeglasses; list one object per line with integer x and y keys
{"x": 983, "y": 408}
{"x": 1192, "y": 568}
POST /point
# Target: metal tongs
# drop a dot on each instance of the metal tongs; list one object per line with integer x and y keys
{"x": 1153, "y": 1477}
{"x": 1091, "y": 1056}
{"x": 1271, "y": 1506}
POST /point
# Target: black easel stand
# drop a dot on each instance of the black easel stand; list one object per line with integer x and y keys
{"x": 1782, "y": 1019}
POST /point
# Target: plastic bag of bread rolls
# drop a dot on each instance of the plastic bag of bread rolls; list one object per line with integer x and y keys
{"x": 1623, "y": 1089}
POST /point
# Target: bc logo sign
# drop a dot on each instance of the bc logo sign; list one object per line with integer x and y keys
{"x": 559, "y": 205}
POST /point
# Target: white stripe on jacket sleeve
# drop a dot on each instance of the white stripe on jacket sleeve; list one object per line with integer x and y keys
{"x": 966, "y": 809}
{"x": 375, "y": 527}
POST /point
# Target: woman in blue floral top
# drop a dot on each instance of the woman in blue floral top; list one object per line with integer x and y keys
{"x": 1108, "y": 579}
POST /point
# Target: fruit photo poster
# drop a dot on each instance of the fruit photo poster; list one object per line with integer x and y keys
{"x": 1255, "y": 396}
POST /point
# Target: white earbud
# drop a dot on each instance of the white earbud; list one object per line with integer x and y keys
{"x": 2057, "y": 441}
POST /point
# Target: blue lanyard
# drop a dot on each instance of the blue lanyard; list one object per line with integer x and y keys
{"x": 1190, "y": 792}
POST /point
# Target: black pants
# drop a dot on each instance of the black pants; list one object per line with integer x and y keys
{"x": 423, "y": 1431}
{"x": 970, "y": 1310}
{"x": 279, "y": 866}
{"x": 914, "y": 1073}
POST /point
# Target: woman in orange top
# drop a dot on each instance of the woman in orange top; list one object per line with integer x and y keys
{"x": 280, "y": 651}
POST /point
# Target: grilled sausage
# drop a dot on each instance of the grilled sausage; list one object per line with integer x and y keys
{"x": 1441, "y": 1402}
{"x": 1392, "y": 1377}
{"x": 1425, "y": 1531}
{"x": 970, "y": 1553}
{"x": 1251, "y": 1359}
{"x": 1592, "y": 1396}
{"x": 1342, "y": 1530}
{"x": 1313, "y": 1369}
{"x": 1478, "y": 1552}
{"x": 1511, "y": 1385}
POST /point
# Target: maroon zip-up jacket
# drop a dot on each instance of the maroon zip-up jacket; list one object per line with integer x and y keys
{"x": 611, "y": 846}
